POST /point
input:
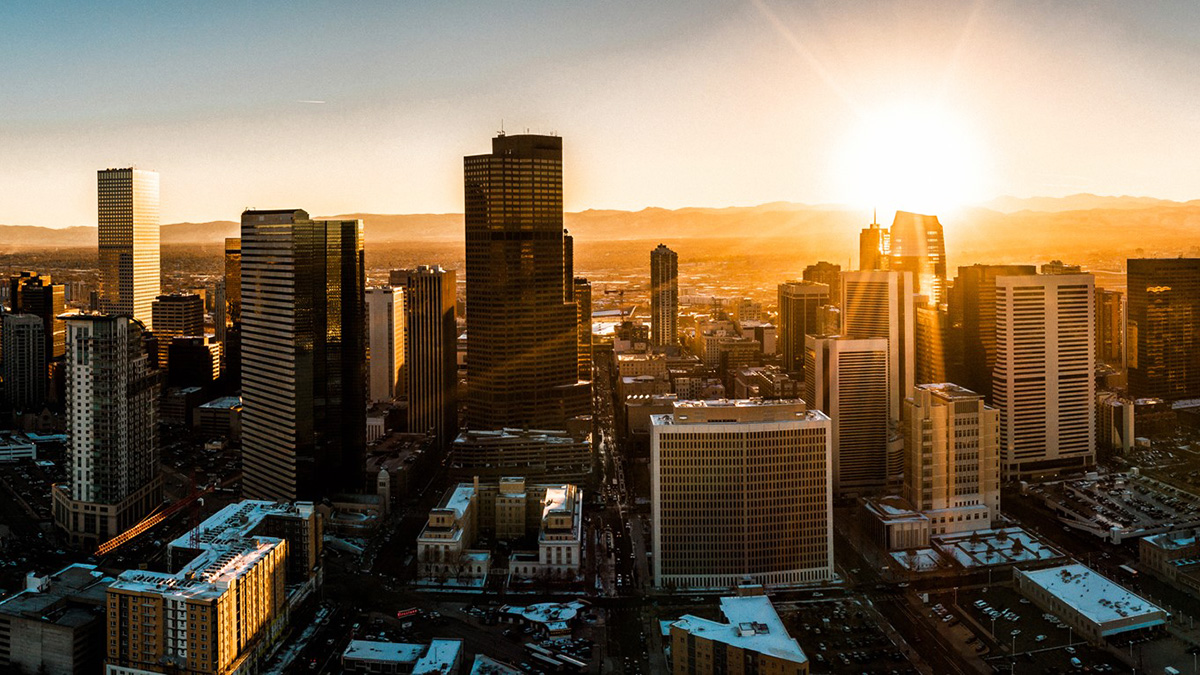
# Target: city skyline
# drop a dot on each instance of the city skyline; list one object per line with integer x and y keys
{"x": 804, "y": 91}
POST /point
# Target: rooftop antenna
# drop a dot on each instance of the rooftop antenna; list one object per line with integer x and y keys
{"x": 874, "y": 216}
{"x": 501, "y": 126}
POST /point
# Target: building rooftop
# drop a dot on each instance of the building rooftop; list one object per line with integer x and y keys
{"x": 1171, "y": 540}
{"x": 48, "y": 598}
{"x": 207, "y": 576}
{"x": 224, "y": 403}
{"x": 458, "y": 498}
{"x": 440, "y": 658}
{"x": 236, "y": 521}
{"x": 949, "y": 390}
{"x": 389, "y": 652}
{"x": 486, "y": 665}
{"x": 738, "y": 411}
{"x": 1096, "y": 597}
{"x": 753, "y": 625}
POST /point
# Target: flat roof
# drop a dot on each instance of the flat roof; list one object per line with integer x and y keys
{"x": 440, "y": 658}
{"x": 224, "y": 403}
{"x": 390, "y": 652}
{"x": 486, "y": 665}
{"x": 753, "y": 626}
{"x": 208, "y": 576}
{"x": 74, "y": 583}
{"x": 1096, "y": 597}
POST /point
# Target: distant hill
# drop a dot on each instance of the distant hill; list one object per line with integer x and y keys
{"x": 1078, "y": 202}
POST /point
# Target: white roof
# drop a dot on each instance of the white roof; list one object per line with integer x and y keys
{"x": 1096, "y": 597}
{"x": 753, "y": 626}
{"x": 440, "y": 659}
{"x": 389, "y": 652}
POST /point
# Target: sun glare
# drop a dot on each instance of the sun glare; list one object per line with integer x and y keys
{"x": 912, "y": 158}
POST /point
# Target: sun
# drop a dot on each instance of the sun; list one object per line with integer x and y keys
{"x": 911, "y": 157}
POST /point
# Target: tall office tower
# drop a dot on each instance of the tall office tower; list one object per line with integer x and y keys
{"x": 741, "y": 490}
{"x": 23, "y": 366}
{"x": 303, "y": 355}
{"x": 1110, "y": 327}
{"x": 932, "y": 335}
{"x": 952, "y": 457}
{"x": 829, "y": 274}
{"x": 385, "y": 342}
{"x": 918, "y": 246}
{"x": 522, "y": 365}
{"x": 799, "y": 302}
{"x": 664, "y": 296}
{"x": 431, "y": 350}
{"x": 1163, "y": 328}
{"x": 1043, "y": 382}
{"x": 112, "y": 399}
{"x": 176, "y": 315}
{"x": 847, "y": 379}
{"x": 881, "y": 304}
{"x": 129, "y": 253}
{"x": 583, "y": 326}
{"x": 973, "y": 304}
{"x": 231, "y": 309}
{"x": 873, "y": 247}
{"x": 32, "y": 293}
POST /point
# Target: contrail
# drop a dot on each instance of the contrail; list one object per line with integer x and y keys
{"x": 309, "y": 101}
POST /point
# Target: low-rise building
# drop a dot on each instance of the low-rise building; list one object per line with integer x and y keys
{"x": 1094, "y": 606}
{"x": 15, "y": 446}
{"x": 753, "y": 639}
{"x": 548, "y": 619}
{"x": 1173, "y": 557}
{"x": 219, "y": 418}
{"x": 56, "y": 624}
{"x": 534, "y": 454}
{"x": 367, "y": 657}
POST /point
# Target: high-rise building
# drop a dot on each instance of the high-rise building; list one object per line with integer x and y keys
{"x": 881, "y": 304}
{"x": 933, "y": 342}
{"x": 195, "y": 361}
{"x": 303, "y": 355}
{"x": 847, "y": 379}
{"x": 917, "y": 245}
{"x": 973, "y": 308}
{"x": 1043, "y": 381}
{"x": 664, "y": 296}
{"x": 1163, "y": 328}
{"x": 23, "y": 341}
{"x": 431, "y": 369}
{"x": 385, "y": 342}
{"x": 32, "y": 293}
{"x": 176, "y": 315}
{"x": 229, "y": 312}
{"x": 112, "y": 399}
{"x": 583, "y": 326}
{"x": 522, "y": 365}
{"x": 799, "y": 302}
{"x": 951, "y": 458}
{"x": 1110, "y": 327}
{"x": 873, "y": 247}
{"x": 129, "y": 251}
{"x": 829, "y": 274}
{"x": 741, "y": 490}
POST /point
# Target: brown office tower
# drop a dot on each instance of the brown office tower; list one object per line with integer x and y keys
{"x": 1110, "y": 327}
{"x": 873, "y": 248}
{"x": 583, "y": 314}
{"x": 917, "y": 246}
{"x": 303, "y": 356}
{"x": 1163, "y": 328}
{"x": 522, "y": 360}
{"x": 829, "y": 274}
{"x": 176, "y": 315}
{"x": 799, "y": 302}
{"x": 32, "y": 293}
{"x": 973, "y": 311}
{"x": 431, "y": 369}
{"x": 664, "y": 296}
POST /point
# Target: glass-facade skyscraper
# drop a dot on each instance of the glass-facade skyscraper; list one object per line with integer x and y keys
{"x": 664, "y": 296}
{"x": 303, "y": 355}
{"x": 127, "y": 205}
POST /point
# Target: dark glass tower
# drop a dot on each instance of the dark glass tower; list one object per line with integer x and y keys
{"x": 664, "y": 296}
{"x": 430, "y": 355}
{"x": 1163, "y": 330}
{"x": 32, "y": 293}
{"x": 522, "y": 361}
{"x": 916, "y": 244}
{"x": 303, "y": 355}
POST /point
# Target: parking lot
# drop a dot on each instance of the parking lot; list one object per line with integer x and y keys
{"x": 840, "y": 636}
{"x": 1120, "y": 505}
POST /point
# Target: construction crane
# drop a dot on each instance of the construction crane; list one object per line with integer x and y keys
{"x": 156, "y": 517}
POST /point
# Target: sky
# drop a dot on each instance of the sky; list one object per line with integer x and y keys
{"x": 342, "y": 107}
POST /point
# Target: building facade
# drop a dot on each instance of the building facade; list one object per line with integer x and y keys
{"x": 664, "y": 296}
{"x": 1043, "y": 380}
{"x": 826, "y": 273}
{"x": 522, "y": 363}
{"x": 881, "y": 305}
{"x": 799, "y": 304}
{"x": 431, "y": 371}
{"x": 385, "y": 342}
{"x": 973, "y": 307}
{"x": 129, "y": 250}
{"x": 24, "y": 369}
{"x": 583, "y": 326}
{"x": 1163, "y": 328}
{"x": 176, "y": 315}
{"x": 33, "y": 293}
{"x": 741, "y": 490}
{"x": 303, "y": 355}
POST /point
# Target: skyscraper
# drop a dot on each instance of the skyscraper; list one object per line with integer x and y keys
{"x": 229, "y": 312}
{"x": 951, "y": 457}
{"x": 880, "y": 304}
{"x": 664, "y": 296}
{"x": 431, "y": 350}
{"x": 112, "y": 398}
{"x": 33, "y": 293}
{"x": 583, "y": 317}
{"x": 303, "y": 355}
{"x": 522, "y": 365}
{"x": 740, "y": 490}
{"x": 873, "y": 247}
{"x": 1110, "y": 327}
{"x": 385, "y": 342}
{"x": 129, "y": 251}
{"x": 799, "y": 302}
{"x": 917, "y": 245}
{"x": 847, "y": 379}
{"x": 973, "y": 306}
{"x": 829, "y": 274}
{"x": 23, "y": 341}
{"x": 1043, "y": 381}
{"x": 176, "y": 315}
{"x": 1163, "y": 328}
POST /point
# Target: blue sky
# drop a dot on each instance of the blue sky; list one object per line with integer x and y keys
{"x": 660, "y": 104}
